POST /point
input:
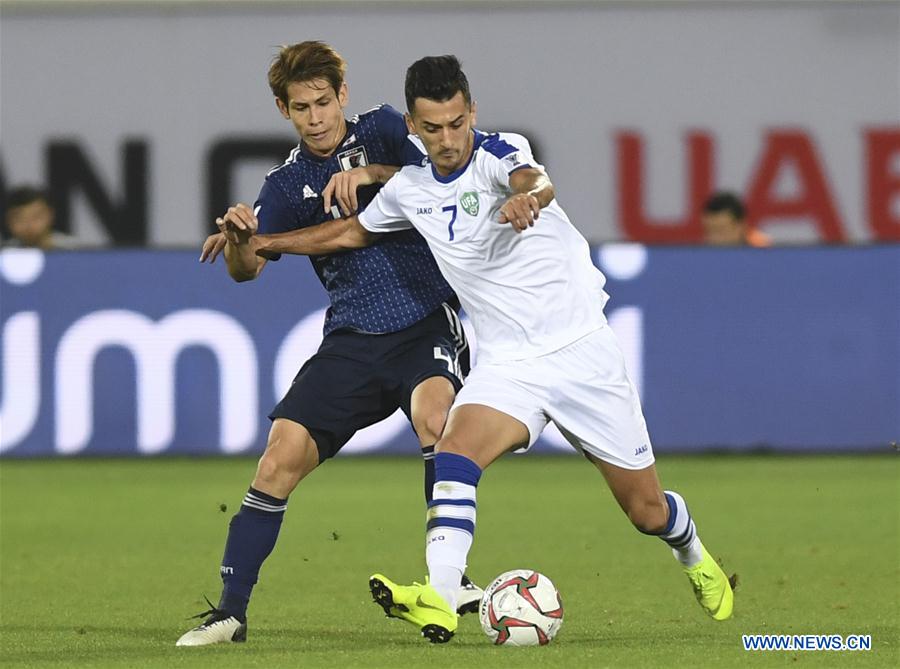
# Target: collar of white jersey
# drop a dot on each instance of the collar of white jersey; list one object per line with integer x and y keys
{"x": 453, "y": 176}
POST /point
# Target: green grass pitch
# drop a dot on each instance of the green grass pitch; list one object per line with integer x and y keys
{"x": 102, "y": 561}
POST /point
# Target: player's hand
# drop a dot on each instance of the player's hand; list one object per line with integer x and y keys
{"x": 342, "y": 187}
{"x": 238, "y": 224}
{"x": 212, "y": 247}
{"x": 520, "y": 211}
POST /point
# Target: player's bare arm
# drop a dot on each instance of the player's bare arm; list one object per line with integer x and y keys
{"x": 239, "y": 225}
{"x": 532, "y": 191}
{"x": 342, "y": 185}
{"x": 342, "y": 234}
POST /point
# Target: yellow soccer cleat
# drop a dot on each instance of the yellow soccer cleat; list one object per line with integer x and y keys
{"x": 714, "y": 590}
{"x": 418, "y": 604}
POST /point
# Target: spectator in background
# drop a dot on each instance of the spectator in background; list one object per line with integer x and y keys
{"x": 29, "y": 220}
{"x": 724, "y": 223}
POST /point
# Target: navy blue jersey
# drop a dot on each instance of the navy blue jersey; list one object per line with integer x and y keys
{"x": 386, "y": 287}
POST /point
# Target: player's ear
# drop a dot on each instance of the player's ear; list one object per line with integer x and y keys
{"x": 343, "y": 94}
{"x": 410, "y": 126}
{"x": 282, "y": 108}
{"x": 473, "y": 113}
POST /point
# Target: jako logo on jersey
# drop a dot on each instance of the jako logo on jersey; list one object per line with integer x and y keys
{"x": 309, "y": 192}
{"x": 422, "y": 210}
{"x": 642, "y": 449}
{"x": 469, "y": 202}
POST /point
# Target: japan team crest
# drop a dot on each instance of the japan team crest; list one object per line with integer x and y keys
{"x": 469, "y": 202}
{"x": 355, "y": 157}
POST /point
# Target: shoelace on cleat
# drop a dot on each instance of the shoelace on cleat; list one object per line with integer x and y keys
{"x": 697, "y": 583}
{"x": 216, "y": 614}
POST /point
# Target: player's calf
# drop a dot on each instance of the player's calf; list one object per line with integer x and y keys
{"x": 649, "y": 516}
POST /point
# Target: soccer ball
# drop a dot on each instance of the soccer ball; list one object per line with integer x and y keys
{"x": 521, "y": 608}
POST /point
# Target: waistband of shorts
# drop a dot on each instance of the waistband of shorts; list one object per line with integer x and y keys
{"x": 543, "y": 353}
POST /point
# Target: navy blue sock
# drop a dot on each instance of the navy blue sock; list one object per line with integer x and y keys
{"x": 251, "y": 537}
{"x": 428, "y": 457}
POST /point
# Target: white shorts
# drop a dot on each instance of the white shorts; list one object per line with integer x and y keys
{"x": 583, "y": 388}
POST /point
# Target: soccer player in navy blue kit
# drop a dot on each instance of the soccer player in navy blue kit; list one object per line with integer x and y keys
{"x": 392, "y": 335}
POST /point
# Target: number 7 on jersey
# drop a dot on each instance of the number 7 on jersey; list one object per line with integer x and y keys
{"x": 452, "y": 210}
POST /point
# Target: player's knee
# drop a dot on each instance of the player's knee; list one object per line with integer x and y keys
{"x": 450, "y": 444}
{"x": 267, "y": 469}
{"x": 429, "y": 425}
{"x": 275, "y": 475}
{"x": 287, "y": 459}
{"x": 430, "y": 404}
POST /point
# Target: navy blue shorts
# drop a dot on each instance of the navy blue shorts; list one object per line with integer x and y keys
{"x": 355, "y": 379}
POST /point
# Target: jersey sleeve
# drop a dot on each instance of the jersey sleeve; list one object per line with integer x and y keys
{"x": 392, "y": 126}
{"x": 384, "y": 213}
{"x": 274, "y": 212}
{"x": 511, "y": 153}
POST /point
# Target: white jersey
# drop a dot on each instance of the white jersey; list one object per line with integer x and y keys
{"x": 527, "y": 293}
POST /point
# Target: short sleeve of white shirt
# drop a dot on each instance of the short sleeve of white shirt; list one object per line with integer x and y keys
{"x": 383, "y": 214}
{"x": 512, "y": 152}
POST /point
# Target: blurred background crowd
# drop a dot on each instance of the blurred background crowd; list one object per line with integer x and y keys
{"x": 692, "y": 122}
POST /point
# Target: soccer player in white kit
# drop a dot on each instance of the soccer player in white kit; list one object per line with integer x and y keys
{"x": 525, "y": 278}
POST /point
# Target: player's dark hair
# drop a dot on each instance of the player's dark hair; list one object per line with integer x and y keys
{"x": 24, "y": 195}
{"x": 305, "y": 61}
{"x": 436, "y": 78}
{"x": 725, "y": 201}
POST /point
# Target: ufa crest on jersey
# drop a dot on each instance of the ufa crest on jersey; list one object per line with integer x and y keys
{"x": 469, "y": 203}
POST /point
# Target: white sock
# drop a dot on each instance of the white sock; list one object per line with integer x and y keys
{"x": 445, "y": 553}
{"x": 690, "y": 554}
{"x": 446, "y": 581}
{"x": 681, "y": 533}
{"x": 450, "y": 522}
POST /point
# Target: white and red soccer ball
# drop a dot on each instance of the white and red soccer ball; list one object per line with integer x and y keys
{"x": 521, "y": 608}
